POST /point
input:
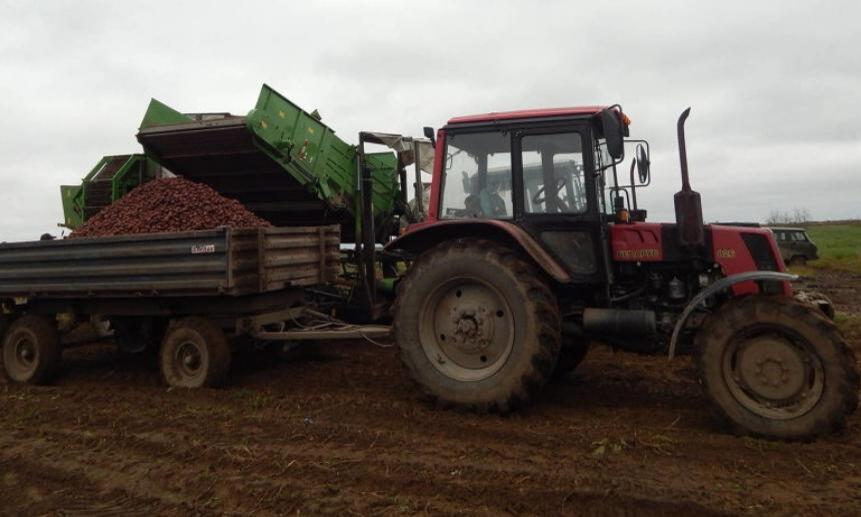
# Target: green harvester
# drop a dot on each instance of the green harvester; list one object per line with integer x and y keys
{"x": 112, "y": 178}
{"x": 280, "y": 161}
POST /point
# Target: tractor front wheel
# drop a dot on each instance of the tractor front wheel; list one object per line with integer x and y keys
{"x": 776, "y": 368}
{"x": 476, "y": 326}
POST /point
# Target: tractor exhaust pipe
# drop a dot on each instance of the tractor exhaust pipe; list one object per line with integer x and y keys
{"x": 689, "y": 207}
{"x": 619, "y": 322}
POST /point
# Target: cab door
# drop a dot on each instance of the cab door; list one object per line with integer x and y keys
{"x": 555, "y": 197}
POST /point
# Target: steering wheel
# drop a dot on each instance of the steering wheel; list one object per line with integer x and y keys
{"x": 538, "y": 199}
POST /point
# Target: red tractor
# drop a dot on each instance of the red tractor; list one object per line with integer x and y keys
{"x": 534, "y": 245}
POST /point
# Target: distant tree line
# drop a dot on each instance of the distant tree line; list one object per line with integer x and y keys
{"x": 794, "y": 216}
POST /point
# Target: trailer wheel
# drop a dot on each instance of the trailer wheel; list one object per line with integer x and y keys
{"x": 776, "y": 368}
{"x": 31, "y": 350}
{"x": 195, "y": 353}
{"x": 571, "y": 354}
{"x": 476, "y": 326}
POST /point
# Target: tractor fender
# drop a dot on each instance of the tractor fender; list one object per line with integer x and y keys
{"x": 718, "y": 286}
{"x": 422, "y": 236}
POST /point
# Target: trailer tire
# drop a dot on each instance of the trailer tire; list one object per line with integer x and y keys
{"x": 776, "y": 368}
{"x": 454, "y": 321}
{"x": 195, "y": 353}
{"x": 32, "y": 353}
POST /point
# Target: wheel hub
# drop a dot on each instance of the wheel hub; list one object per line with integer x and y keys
{"x": 467, "y": 329}
{"x": 25, "y": 351}
{"x": 773, "y": 375}
{"x": 773, "y": 368}
{"x": 472, "y": 331}
{"x": 189, "y": 358}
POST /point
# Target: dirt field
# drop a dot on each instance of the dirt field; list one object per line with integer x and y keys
{"x": 343, "y": 433}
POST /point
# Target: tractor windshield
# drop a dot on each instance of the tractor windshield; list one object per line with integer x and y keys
{"x": 477, "y": 181}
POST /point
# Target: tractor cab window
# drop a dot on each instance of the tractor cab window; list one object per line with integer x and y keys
{"x": 553, "y": 177}
{"x": 477, "y": 181}
{"x": 607, "y": 187}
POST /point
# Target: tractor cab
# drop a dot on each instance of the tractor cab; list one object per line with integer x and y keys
{"x": 553, "y": 176}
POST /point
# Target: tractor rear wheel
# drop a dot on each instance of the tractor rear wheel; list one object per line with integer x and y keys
{"x": 194, "y": 354}
{"x": 476, "y": 326}
{"x": 776, "y": 368}
{"x": 31, "y": 350}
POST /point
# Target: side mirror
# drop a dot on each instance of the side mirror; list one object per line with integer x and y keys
{"x": 643, "y": 164}
{"x": 613, "y": 132}
{"x": 430, "y": 135}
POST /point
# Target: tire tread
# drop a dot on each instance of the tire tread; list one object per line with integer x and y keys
{"x": 540, "y": 300}
{"x": 735, "y": 314}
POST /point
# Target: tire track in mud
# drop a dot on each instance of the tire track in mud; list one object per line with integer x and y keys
{"x": 440, "y": 482}
{"x": 357, "y": 436}
{"x": 505, "y": 453}
{"x": 41, "y": 485}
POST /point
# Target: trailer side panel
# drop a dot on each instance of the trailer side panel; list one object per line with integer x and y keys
{"x": 202, "y": 263}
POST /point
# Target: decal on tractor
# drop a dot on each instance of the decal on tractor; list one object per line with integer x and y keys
{"x": 638, "y": 254}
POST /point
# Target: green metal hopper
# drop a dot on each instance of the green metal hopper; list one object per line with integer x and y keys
{"x": 112, "y": 178}
{"x": 280, "y": 161}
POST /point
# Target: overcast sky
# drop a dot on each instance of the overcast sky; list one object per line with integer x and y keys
{"x": 775, "y": 86}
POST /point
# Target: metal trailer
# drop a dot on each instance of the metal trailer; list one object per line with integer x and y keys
{"x": 189, "y": 291}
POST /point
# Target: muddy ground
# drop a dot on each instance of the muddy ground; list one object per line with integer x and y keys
{"x": 343, "y": 433}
